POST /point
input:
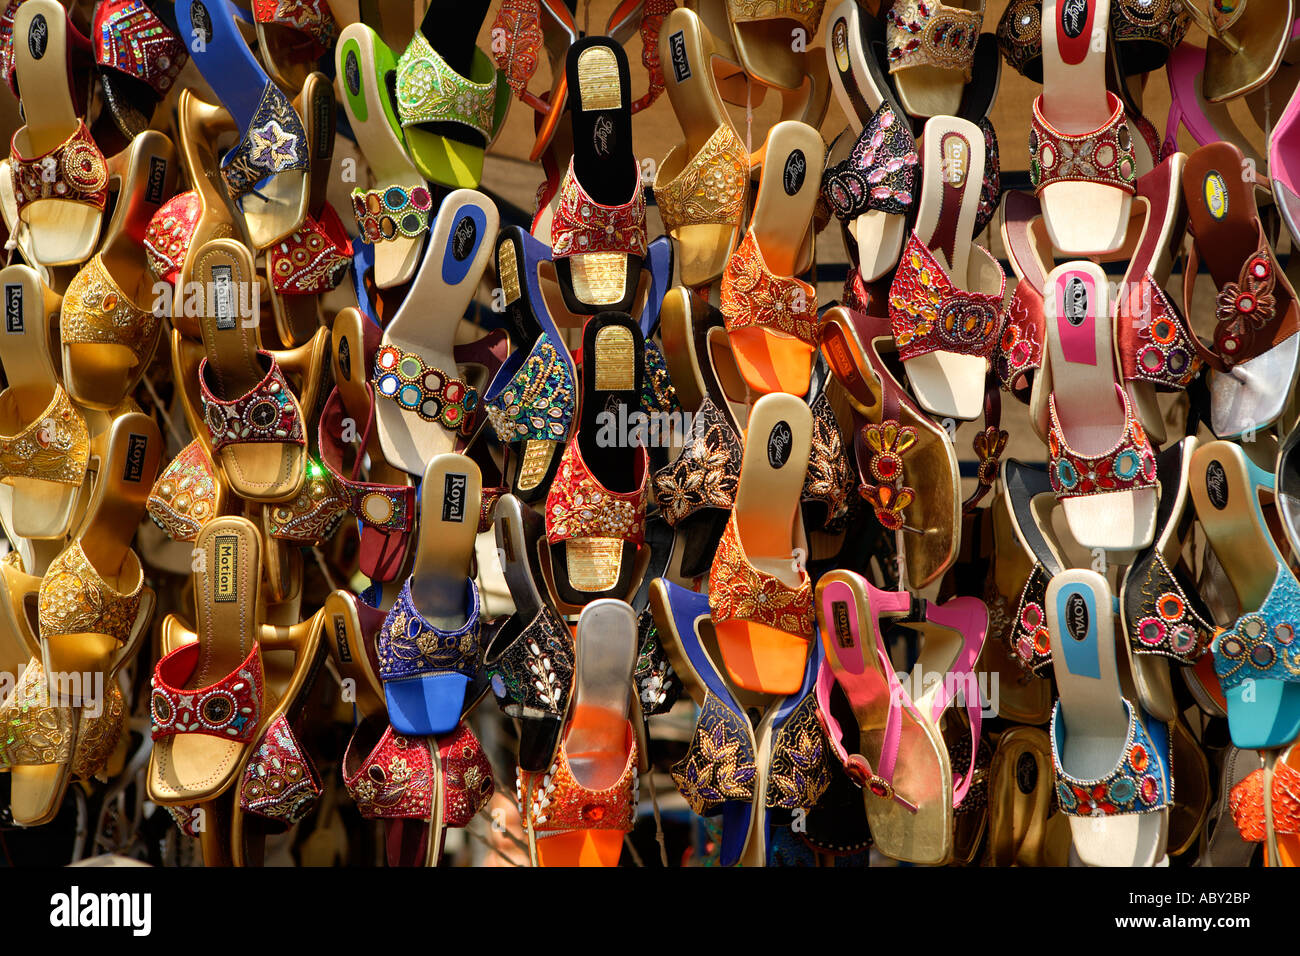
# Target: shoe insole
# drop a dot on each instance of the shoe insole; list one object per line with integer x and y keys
{"x": 449, "y": 512}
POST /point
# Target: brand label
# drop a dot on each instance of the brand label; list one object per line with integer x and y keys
{"x": 1216, "y": 484}
{"x": 843, "y": 632}
{"x": 223, "y": 296}
{"x": 956, "y": 159}
{"x": 227, "y": 568}
{"x": 323, "y": 124}
{"x": 14, "y": 308}
{"x": 38, "y": 36}
{"x": 1074, "y": 17}
{"x": 779, "y": 442}
{"x": 345, "y": 359}
{"x": 677, "y": 51}
{"x": 1216, "y": 195}
{"x": 136, "y": 446}
{"x": 840, "y": 44}
{"x": 1076, "y": 617}
{"x": 341, "y": 639}
{"x": 153, "y": 191}
{"x": 795, "y": 168}
{"x": 453, "y": 497}
{"x": 1075, "y": 301}
{"x": 352, "y": 73}
{"x": 602, "y": 135}
{"x": 201, "y": 20}
{"x": 1026, "y": 773}
{"x": 462, "y": 240}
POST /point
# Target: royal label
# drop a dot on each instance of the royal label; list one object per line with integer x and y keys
{"x": 341, "y": 639}
{"x": 1074, "y": 17}
{"x": 453, "y": 497}
{"x": 227, "y": 569}
{"x": 1026, "y": 773}
{"x": 345, "y": 359}
{"x": 1216, "y": 484}
{"x": 602, "y": 135}
{"x": 153, "y": 191}
{"x": 38, "y": 36}
{"x": 677, "y": 51}
{"x": 136, "y": 446}
{"x": 795, "y": 169}
{"x": 14, "y": 308}
{"x": 223, "y": 296}
{"x": 352, "y": 73}
{"x": 1216, "y": 195}
{"x": 462, "y": 240}
{"x": 1076, "y": 617}
{"x": 201, "y": 20}
{"x": 323, "y": 125}
{"x": 843, "y": 630}
{"x": 1075, "y": 301}
{"x": 779, "y": 442}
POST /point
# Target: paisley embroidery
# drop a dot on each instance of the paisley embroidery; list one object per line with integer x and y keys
{"x": 75, "y": 598}
{"x": 539, "y": 399}
{"x": 752, "y": 296}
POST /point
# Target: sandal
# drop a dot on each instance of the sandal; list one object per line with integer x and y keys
{"x": 423, "y": 405}
{"x": 945, "y": 303}
{"x": 139, "y": 57}
{"x": 598, "y": 231}
{"x": 44, "y": 442}
{"x": 532, "y": 399}
{"x": 897, "y": 446}
{"x": 530, "y": 660}
{"x": 577, "y": 811}
{"x": 1257, "y": 317}
{"x": 354, "y": 625}
{"x": 1113, "y": 777}
{"x": 1025, "y": 826}
{"x": 394, "y": 215}
{"x": 760, "y": 36}
{"x": 1248, "y": 42}
{"x": 61, "y": 211}
{"x": 1162, "y": 612}
{"x": 1081, "y": 159}
{"x": 449, "y": 96}
{"x": 428, "y": 648}
{"x": 292, "y": 37}
{"x": 418, "y": 785}
{"x": 266, "y": 173}
{"x": 253, "y": 419}
{"x": 771, "y": 315}
{"x": 931, "y": 53}
{"x": 208, "y": 696}
{"x": 1101, "y": 463}
{"x": 702, "y": 185}
{"x": 855, "y": 61}
{"x": 1222, "y": 844}
{"x": 595, "y": 508}
{"x": 1265, "y": 807}
{"x": 1283, "y": 142}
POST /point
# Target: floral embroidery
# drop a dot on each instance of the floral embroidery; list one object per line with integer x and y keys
{"x": 988, "y": 446}
{"x": 517, "y": 58}
{"x": 279, "y": 782}
{"x": 1128, "y": 465}
{"x": 275, "y": 143}
{"x": 581, "y": 225}
{"x": 538, "y": 399}
{"x": 930, "y": 33}
{"x": 1246, "y": 306}
{"x": 707, "y": 470}
{"x": 32, "y": 731}
{"x": 829, "y": 480}
{"x": 55, "y": 447}
{"x": 430, "y": 91}
{"x": 395, "y": 780}
{"x": 75, "y": 598}
{"x": 888, "y": 496}
{"x": 929, "y": 313}
{"x": 807, "y": 13}
{"x": 168, "y": 235}
{"x": 752, "y": 296}
{"x": 658, "y": 686}
{"x": 1159, "y": 349}
{"x": 720, "y": 763}
{"x": 313, "y": 259}
{"x": 1140, "y": 784}
{"x": 466, "y": 776}
{"x": 710, "y": 188}
{"x": 800, "y": 770}
{"x": 1262, "y": 644}
{"x": 1103, "y": 156}
{"x": 881, "y": 172}
{"x": 739, "y": 591}
{"x": 579, "y": 506}
{"x": 533, "y": 676}
{"x": 311, "y": 17}
{"x": 657, "y": 391}
{"x": 1020, "y": 350}
{"x": 409, "y": 646}
{"x": 267, "y": 413}
{"x": 73, "y": 170}
{"x": 97, "y": 311}
{"x": 385, "y": 214}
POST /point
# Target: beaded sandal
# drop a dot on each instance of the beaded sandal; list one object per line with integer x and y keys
{"x": 208, "y": 696}
{"x": 1273, "y": 820}
{"x": 139, "y": 59}
{"x": 266, "y": 174}
{"x": 293, "y": 35}
{"x": 761, "y": 32}
{"x": 931, "y": 52}
{"x": 578, "y": 810}
{"x": 1112, "y": 765}
{"x": 451, "y": 100}
{"x": 1247, "y": 43}
{"x": 1257, "y": 317}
